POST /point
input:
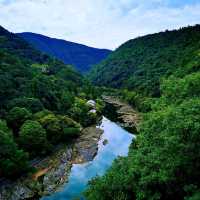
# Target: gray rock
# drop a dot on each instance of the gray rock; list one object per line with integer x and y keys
{"x": 91, "y": 103}
{"x": 16, "y": 192}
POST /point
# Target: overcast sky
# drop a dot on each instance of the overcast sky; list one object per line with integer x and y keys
{"x": 97, "y": 23}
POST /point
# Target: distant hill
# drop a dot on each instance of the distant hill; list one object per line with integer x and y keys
{"x": 141, "y": 63}
{"x": 81, "y": 56}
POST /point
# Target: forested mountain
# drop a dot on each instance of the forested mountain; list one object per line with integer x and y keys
{"x": 81, "y": 56}
{"x": 141, "y": 63}
{"x": 42, "y": 102}
{"x": 164, "y": 160}
{"x": 20, "y": 63}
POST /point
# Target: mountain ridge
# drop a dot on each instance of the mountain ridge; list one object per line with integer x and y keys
{"x": 140, "y": 64}
{"x": 79, "y": 55}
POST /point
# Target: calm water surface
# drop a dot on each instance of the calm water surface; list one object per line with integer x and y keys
{"x": 118, "y": 143}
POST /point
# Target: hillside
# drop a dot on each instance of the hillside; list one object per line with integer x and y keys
{"x": 20, "y": 63}
{"x": 164, "y": 160}
{"x": 81, "y": 56}
{"x": 141, "y": 63}
{"x": 43, "y": 102}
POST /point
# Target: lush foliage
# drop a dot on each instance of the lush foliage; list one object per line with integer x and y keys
{"x": 137, "y": 100}
{"x": 80, "y": 111}
{"x": 16, "y": 117}
{"x": 58, "y": 127}
{"x": 37, "y": 95}
{"x": 141, "y": 63}
{"x": 12, "y": 160}
{"x": 32, "y": 137}
{"x": 81, "y": 56}
{"x": 33, "y": 76}
{"x": 164, "y": 160}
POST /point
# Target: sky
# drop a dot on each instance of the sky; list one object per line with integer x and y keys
{"x": 97, "y": 23}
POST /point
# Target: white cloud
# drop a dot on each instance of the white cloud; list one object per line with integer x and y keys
{"x": 99, "y": 23}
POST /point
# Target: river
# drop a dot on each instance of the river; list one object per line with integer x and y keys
{"x": 118, "y": 144}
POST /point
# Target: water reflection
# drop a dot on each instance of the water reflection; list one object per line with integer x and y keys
{"x": 118, "y": 143}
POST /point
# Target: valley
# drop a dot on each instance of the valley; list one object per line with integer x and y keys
{"x": 56, "y": 170}
{"x": 128, "y": 129}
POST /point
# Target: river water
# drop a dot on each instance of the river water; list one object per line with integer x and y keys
{"x": 118, "y": 144}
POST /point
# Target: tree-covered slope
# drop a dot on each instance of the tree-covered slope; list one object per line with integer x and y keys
{"x": 81, "y": 56}
{"x": 141, "y": 63}
{"x": 164, "y": 160}
{"x": 42, "y": 102}
{"x": 20, "y": 63}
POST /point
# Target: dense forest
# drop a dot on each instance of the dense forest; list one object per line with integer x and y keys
{"x": 42, "y": 102}
{"x": 159, "y": 75}
{"x": 80, "y": 56}
{"x": 141, "y": 63}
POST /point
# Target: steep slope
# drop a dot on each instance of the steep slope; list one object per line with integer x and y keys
{"x": 81, "y": 56}
{"x": 141, "y": 63}
{"x": 20, "y": 63}
{"x": 19, "y": 47}
{"x": 43, "y": 102}
{"x": 164, "y": 160}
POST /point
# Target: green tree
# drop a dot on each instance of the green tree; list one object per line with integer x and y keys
{"x": 175, "y": 89}
{"x": 67, "y": 99}
{"x": 13, "y": 161}
{"x": 44, "y": 88}
{"x": 80, "y": 112}
{"x": 70, "y": 128}
{"x": 79, "y": 109}
{"x": 58, "y": 127}
{"x": 16, "y": 117}
{"x": 37, "y": 116}
{"x": 51, "y": 124}
{"x": 163, "y": 161}
{"x": 32, "y": 104}
{"x": 32, "y": 138}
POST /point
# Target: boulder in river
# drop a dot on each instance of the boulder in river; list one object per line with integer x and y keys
{"x": 105, "y": 142}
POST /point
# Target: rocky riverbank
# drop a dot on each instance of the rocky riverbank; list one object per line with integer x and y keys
{"x": 122, "y": 113}
{"x": 53, "y": 171}
{"x": 86, "y": 146}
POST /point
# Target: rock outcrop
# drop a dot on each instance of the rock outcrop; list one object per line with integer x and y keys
{"x": 86, "y": 146}
{"x": 53, "y": 171}
{"x": 123, "y": 113}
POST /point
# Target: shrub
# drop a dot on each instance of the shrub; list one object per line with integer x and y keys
{"x": 52, "y": 126}
{"x": 177, "y": 89}
{"x": 79, "y": 111}
{"x": 67, "y": 100}
{"x": 12, "y": 160}
{"x": 16, "y": 117}
{"x": 57, "y": 126}
{"x": 32, "y": 138}
{"x": 70, "y": 128}
{"x": 41, "y": 114}
{"x": 32, "y": 104}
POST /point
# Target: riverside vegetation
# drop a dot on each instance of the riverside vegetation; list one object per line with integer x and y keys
{"x": 159, "y": 75}
{"x": 43, "y": 102}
